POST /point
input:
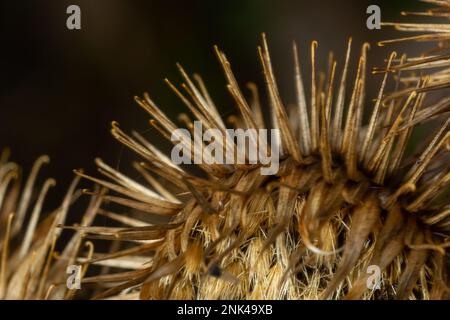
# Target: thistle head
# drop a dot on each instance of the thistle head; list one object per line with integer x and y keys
{"x": 33, "y": 258}
{"x": 347, "y": 195}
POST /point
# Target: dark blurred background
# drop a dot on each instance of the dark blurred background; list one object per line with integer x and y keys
{"x": 60, "y": 89}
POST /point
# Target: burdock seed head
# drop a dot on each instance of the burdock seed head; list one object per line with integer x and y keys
{"x": 30, "y": 265}
{"x": 349, "y": 197}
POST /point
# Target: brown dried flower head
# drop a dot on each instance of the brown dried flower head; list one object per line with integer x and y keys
{"x": 349, "y": 194}
{"x": 346, "y": 197}
{"x": 30, "y": 266}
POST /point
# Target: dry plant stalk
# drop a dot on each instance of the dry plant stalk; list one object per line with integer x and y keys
{"x": 348, "y": 194}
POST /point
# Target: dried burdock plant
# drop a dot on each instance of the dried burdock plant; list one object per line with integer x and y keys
{"x": 345, "y": 198}
{"x": 30, "y": 266}
{"x": 348, "y": 196}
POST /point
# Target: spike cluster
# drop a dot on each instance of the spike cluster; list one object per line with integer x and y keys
{"x": 350, "y": 195}
{"x": 347, "y": 196}
{"x": 435, "y": 62}
{"x": 30, "y": 265}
